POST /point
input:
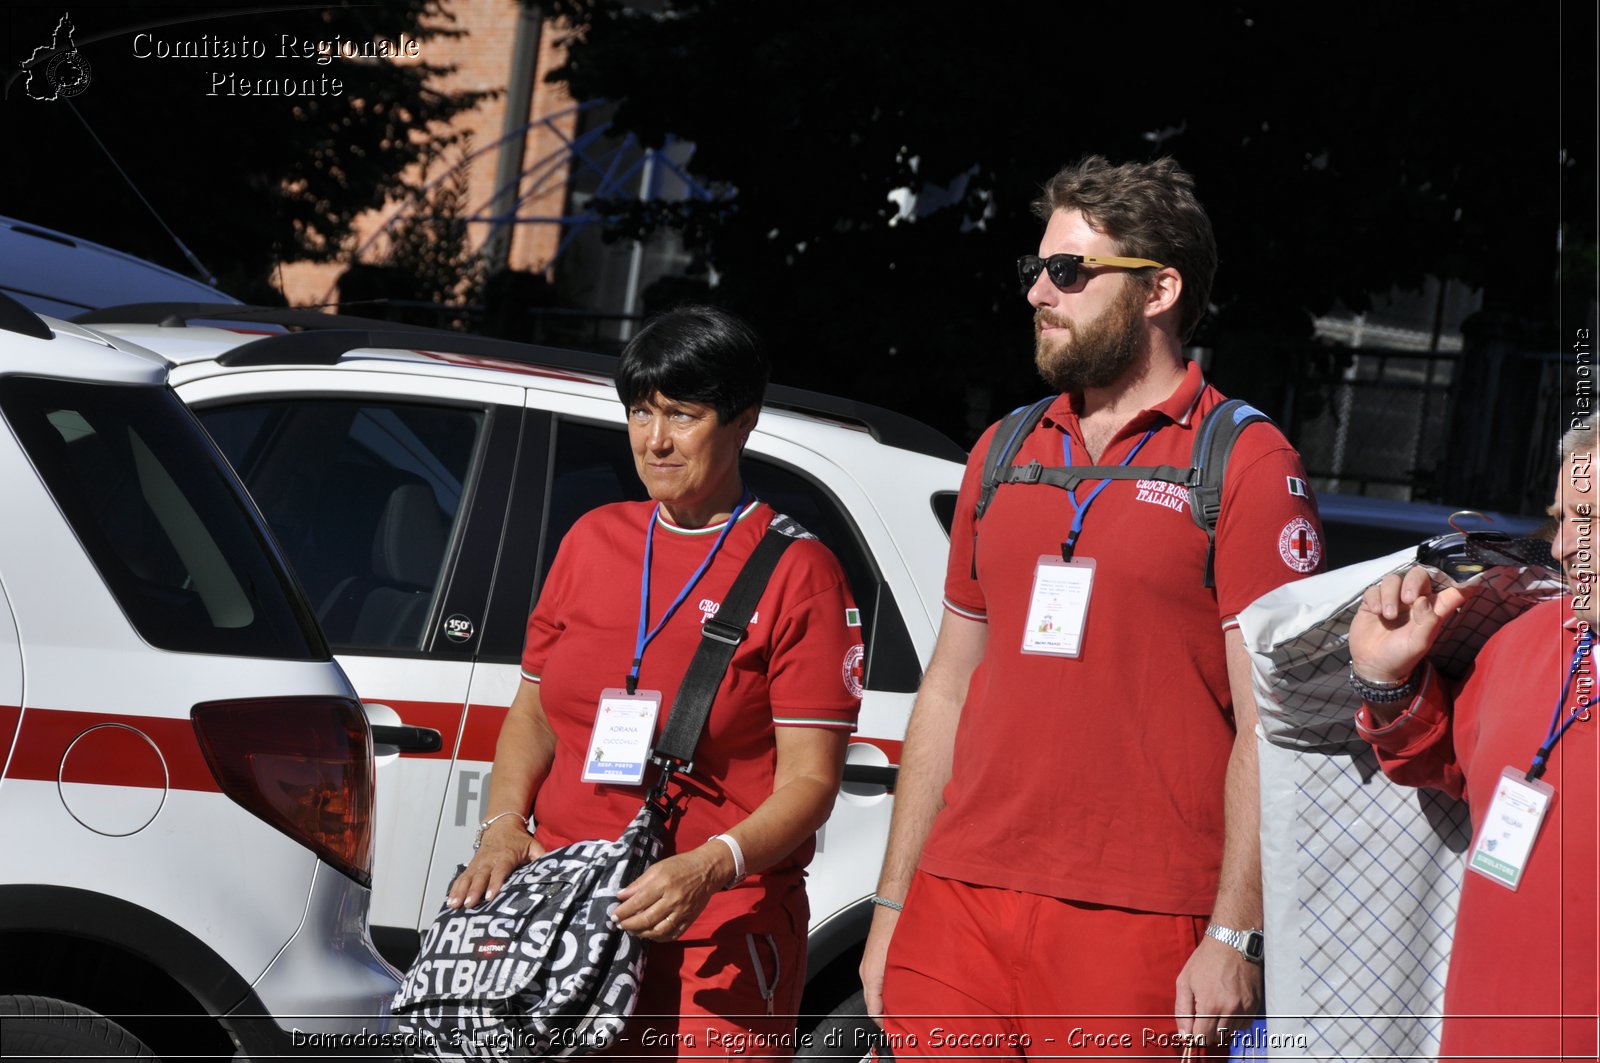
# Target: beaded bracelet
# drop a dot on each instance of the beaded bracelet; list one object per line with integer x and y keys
{"x": 1384, "y": 693}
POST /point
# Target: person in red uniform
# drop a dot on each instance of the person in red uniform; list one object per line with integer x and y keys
{"x": 725, "y": 907}
{"x": 1522, "y": 981}
{"x": 1073, "y": 864}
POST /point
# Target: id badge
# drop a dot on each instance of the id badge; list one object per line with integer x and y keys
{"x": 1512, "y": 823}
{"x": 1058, "y": 606}
{"x": 624, "y": 731}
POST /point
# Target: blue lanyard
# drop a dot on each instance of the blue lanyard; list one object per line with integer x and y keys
{"x": 1557, "y": 727}
{"x": 1079, "y": 512}
{"x": 644, "y": 639}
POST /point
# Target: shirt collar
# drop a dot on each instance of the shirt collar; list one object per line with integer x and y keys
{"x": 1179, "y": 407}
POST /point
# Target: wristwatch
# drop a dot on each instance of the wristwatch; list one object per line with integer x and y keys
{"x": 1250, "y": 942}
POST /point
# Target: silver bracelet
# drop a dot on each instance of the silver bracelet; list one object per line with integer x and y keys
{"x": 887, "y": 903}
{"x": 477, "y": 839}
{"x": 1384, "y": 693}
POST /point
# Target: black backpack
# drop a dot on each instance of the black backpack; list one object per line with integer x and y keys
{"x": 1208, "y": 464}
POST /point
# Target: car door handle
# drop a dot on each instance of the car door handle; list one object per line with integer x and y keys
{"x": 407, "y": 739}
{"x": 883, "y": 775}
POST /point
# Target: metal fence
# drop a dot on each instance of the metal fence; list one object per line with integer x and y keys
{"x": 1393, "y": 427}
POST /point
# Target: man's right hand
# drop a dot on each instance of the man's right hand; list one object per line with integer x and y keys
{"x": 884, "y": 921}
{"x": 1399, "y": 619}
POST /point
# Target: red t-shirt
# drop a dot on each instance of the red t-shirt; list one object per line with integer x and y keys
{"x": 1100, "y": 778}
{"x": 1532, "y": 951}
{"x": 799, "y": 667}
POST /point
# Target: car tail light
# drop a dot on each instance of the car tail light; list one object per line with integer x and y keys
{"x": 303, "y": 764}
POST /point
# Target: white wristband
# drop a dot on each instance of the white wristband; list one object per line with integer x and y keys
{"x": 738, "y": 857}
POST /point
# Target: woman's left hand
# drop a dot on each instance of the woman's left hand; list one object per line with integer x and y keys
{"x": 660, "y": 904}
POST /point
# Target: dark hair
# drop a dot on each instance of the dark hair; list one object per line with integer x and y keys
{"x": 1150, "y": 210}
{"x": 695, "y": 354}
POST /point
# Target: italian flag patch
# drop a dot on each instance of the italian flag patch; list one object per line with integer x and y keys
{"x": 1297, "y": 486}
{"x": 852, "y": 618}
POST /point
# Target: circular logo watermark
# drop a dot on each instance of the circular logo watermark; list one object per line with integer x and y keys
{"x": 68, "y": 74}
{"x": 458, "y": 628}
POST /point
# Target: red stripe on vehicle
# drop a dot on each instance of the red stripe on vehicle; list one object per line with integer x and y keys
{"x": 8, "y": 730}
{"x": 891, "y": 747}
{"x": 483, "y": 731}
{"x": 45, "y": 734}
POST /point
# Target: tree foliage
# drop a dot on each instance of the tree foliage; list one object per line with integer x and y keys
{"x": 245, "y": 181}
{"x": 1339, "y": 152}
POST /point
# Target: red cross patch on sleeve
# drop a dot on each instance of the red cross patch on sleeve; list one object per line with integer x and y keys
{"x": 1299, "y": 545}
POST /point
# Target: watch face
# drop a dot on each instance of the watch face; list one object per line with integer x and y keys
{"x": 1255, "y": 946}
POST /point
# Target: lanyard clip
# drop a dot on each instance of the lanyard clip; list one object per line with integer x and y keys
{"x": 1066, "y": 548}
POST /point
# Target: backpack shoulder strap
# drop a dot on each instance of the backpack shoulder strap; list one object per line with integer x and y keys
{"x": 1213, "y": 445}
{"x": 1003, "y": 446}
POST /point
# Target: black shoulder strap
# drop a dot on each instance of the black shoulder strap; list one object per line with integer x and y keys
{"x": 1003, "y": 446}
{"x": 1219, "y": 431}
{"x": 1213, "y": 444}
{"x": 719, "y": 637}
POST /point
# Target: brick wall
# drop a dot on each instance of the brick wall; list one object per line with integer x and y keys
{"x": 482, "y": 58}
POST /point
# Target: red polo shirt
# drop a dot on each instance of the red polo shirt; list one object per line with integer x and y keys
{"x": 1100, "y": 778}
{"x": 798, "y": 667}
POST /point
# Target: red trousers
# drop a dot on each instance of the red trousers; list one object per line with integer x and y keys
{"x": 981, "y": 973}
{"x": 734, "y": 995}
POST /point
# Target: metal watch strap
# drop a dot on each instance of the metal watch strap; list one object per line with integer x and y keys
{"x": 1250, "y": 943}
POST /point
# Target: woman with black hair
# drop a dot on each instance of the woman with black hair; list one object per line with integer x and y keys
{"x": 622, "y": 607}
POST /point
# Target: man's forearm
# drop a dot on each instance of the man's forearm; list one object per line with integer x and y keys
{"x": 1238, "y": 903}
{"x": 919, "y": 790}
{"x": 925, "y": 762}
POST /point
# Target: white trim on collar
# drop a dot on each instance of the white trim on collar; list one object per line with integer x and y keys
{"x": 709, "y": 529}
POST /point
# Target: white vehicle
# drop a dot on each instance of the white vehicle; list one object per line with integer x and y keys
{"x": 53, "y": 273}
{"x": 186, "y": 783}
{"x": 419, "y": 483}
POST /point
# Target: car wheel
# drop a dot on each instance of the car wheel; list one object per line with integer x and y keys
{"x": 46, "y": 1028}
{"x": 846, "y": 1032}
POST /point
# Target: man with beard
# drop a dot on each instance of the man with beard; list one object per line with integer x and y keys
{"x": 1517, "y": 739}
{"x": 1073, "y": 864}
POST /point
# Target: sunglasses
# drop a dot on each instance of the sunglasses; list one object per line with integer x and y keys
{"x": 1462, "y": 557}
{"x": 1063, "y": 268}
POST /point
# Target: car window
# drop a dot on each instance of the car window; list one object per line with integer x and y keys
{"x": 365, "y": 496}
{"x": 593, "y": 466}
{"x": 944, "y": 508}
{"x": 167, "y": 527}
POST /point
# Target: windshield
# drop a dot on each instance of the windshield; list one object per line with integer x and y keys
{"x": 162, "y": 517}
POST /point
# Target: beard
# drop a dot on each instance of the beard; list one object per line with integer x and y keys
{"x": 1093, "y": 354}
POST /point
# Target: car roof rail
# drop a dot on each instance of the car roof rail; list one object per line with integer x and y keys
{"x": 177, "y": 315}
{"x": 885, "y": 425}
{"x": 328, "y": 337}
{"x": 327, "y": 347}
{"x": 14, "y": 317}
